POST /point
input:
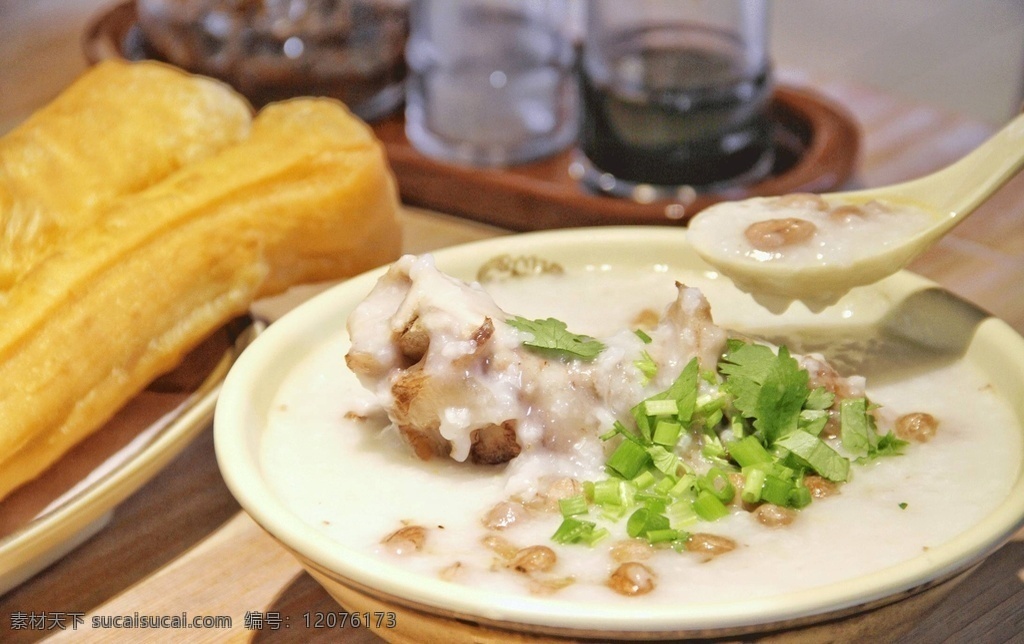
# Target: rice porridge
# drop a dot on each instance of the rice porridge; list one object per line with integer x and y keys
{"x": 327, "y": 430}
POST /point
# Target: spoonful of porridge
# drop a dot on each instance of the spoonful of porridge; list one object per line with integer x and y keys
{"x": 816, "y": 248}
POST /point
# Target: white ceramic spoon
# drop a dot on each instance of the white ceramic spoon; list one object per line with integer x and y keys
{"x": 776, "y": 278}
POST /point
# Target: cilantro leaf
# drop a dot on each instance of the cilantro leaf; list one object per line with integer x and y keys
{"x": 816, "y": 454}
{"x": 889, "y": 445}
{"x": 666, "y": 461}
{"x": 857, "y": 427}
{"x": 860, "y": 436}
{"x": 813, "y": 421}
{"x": 768, "y": 388}
{"x": 747, "y": 360}
{"x": 820, "y": 399}
{"x": 552, "y": 335}
{"x": 683, "y": 390}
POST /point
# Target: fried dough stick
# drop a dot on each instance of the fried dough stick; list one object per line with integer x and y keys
{"x": 308, "y": 196}
{"x": 118, "y": 129}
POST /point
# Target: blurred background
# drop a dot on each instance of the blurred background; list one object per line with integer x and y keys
{"x": 966, "y": 57}
{"x": 962, "y": 57}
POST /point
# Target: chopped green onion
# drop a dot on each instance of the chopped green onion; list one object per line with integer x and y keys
{"x": 748, "y": 451}
{"x": 739, "y": 427}
{"x": 681, "y": 514}
{"x": 713, "y": 447}
{"x": 683, "y": 392}
{"x": 753, "y": 481}
{"x": 595, "y": 536}
{"x": 628, "y": 459}
{"x": 761, "y": 400}
{"x": 799, "y": 497}
{"x": 653, "y": 407}
{"x": 653, "y": 502}
{"x": 627, "y": 493}
{"x": 708, "y": 507}
{"x": 637, "y": 522}
{"x": 643, "y": 521}
{"x": 713, "y": 419}
{"x": 709, "y": 404}
{"x": 776, "y": 490}
{"x": 718, "y": 483}
{"x": 573, "y": 505}
{"x": 644, "y": 480}
{"x": 573, "y": 531}
{"x": 667, "y": 433}
{"x": 664, "y": 486}
{"x": 660, "y": 536}
{"x": 588, "y": 490}
{"x": 646, "y": 339}
{"x": 683, "y": 485}
{"x": 606, "y": 492}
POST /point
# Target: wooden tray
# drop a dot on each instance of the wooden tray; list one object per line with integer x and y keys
{"x": 816, "y": 151}
{"x": 816, "y": 140}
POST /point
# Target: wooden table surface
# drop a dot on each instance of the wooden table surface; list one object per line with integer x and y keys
{"x": 182, "y": 545}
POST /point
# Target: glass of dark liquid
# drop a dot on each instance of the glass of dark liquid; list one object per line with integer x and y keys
{"x": 674, "y": 97}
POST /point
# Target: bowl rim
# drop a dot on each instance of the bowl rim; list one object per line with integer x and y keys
{"x": 296, "y": 330}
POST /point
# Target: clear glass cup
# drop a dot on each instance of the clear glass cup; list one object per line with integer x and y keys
{"x": 491, "y": 82}
{"x": 674, "y": 96}
{"x": 269, "y": 50}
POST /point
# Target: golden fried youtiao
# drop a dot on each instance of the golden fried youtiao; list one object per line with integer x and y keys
{"x": 307, "y": 196}
{"x": 118, "y": 129}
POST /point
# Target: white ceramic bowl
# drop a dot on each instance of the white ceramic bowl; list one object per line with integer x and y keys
{"x": 428, "y": 607}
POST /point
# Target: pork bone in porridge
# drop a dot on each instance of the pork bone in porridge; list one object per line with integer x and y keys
{"x": 571, "y": 515}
